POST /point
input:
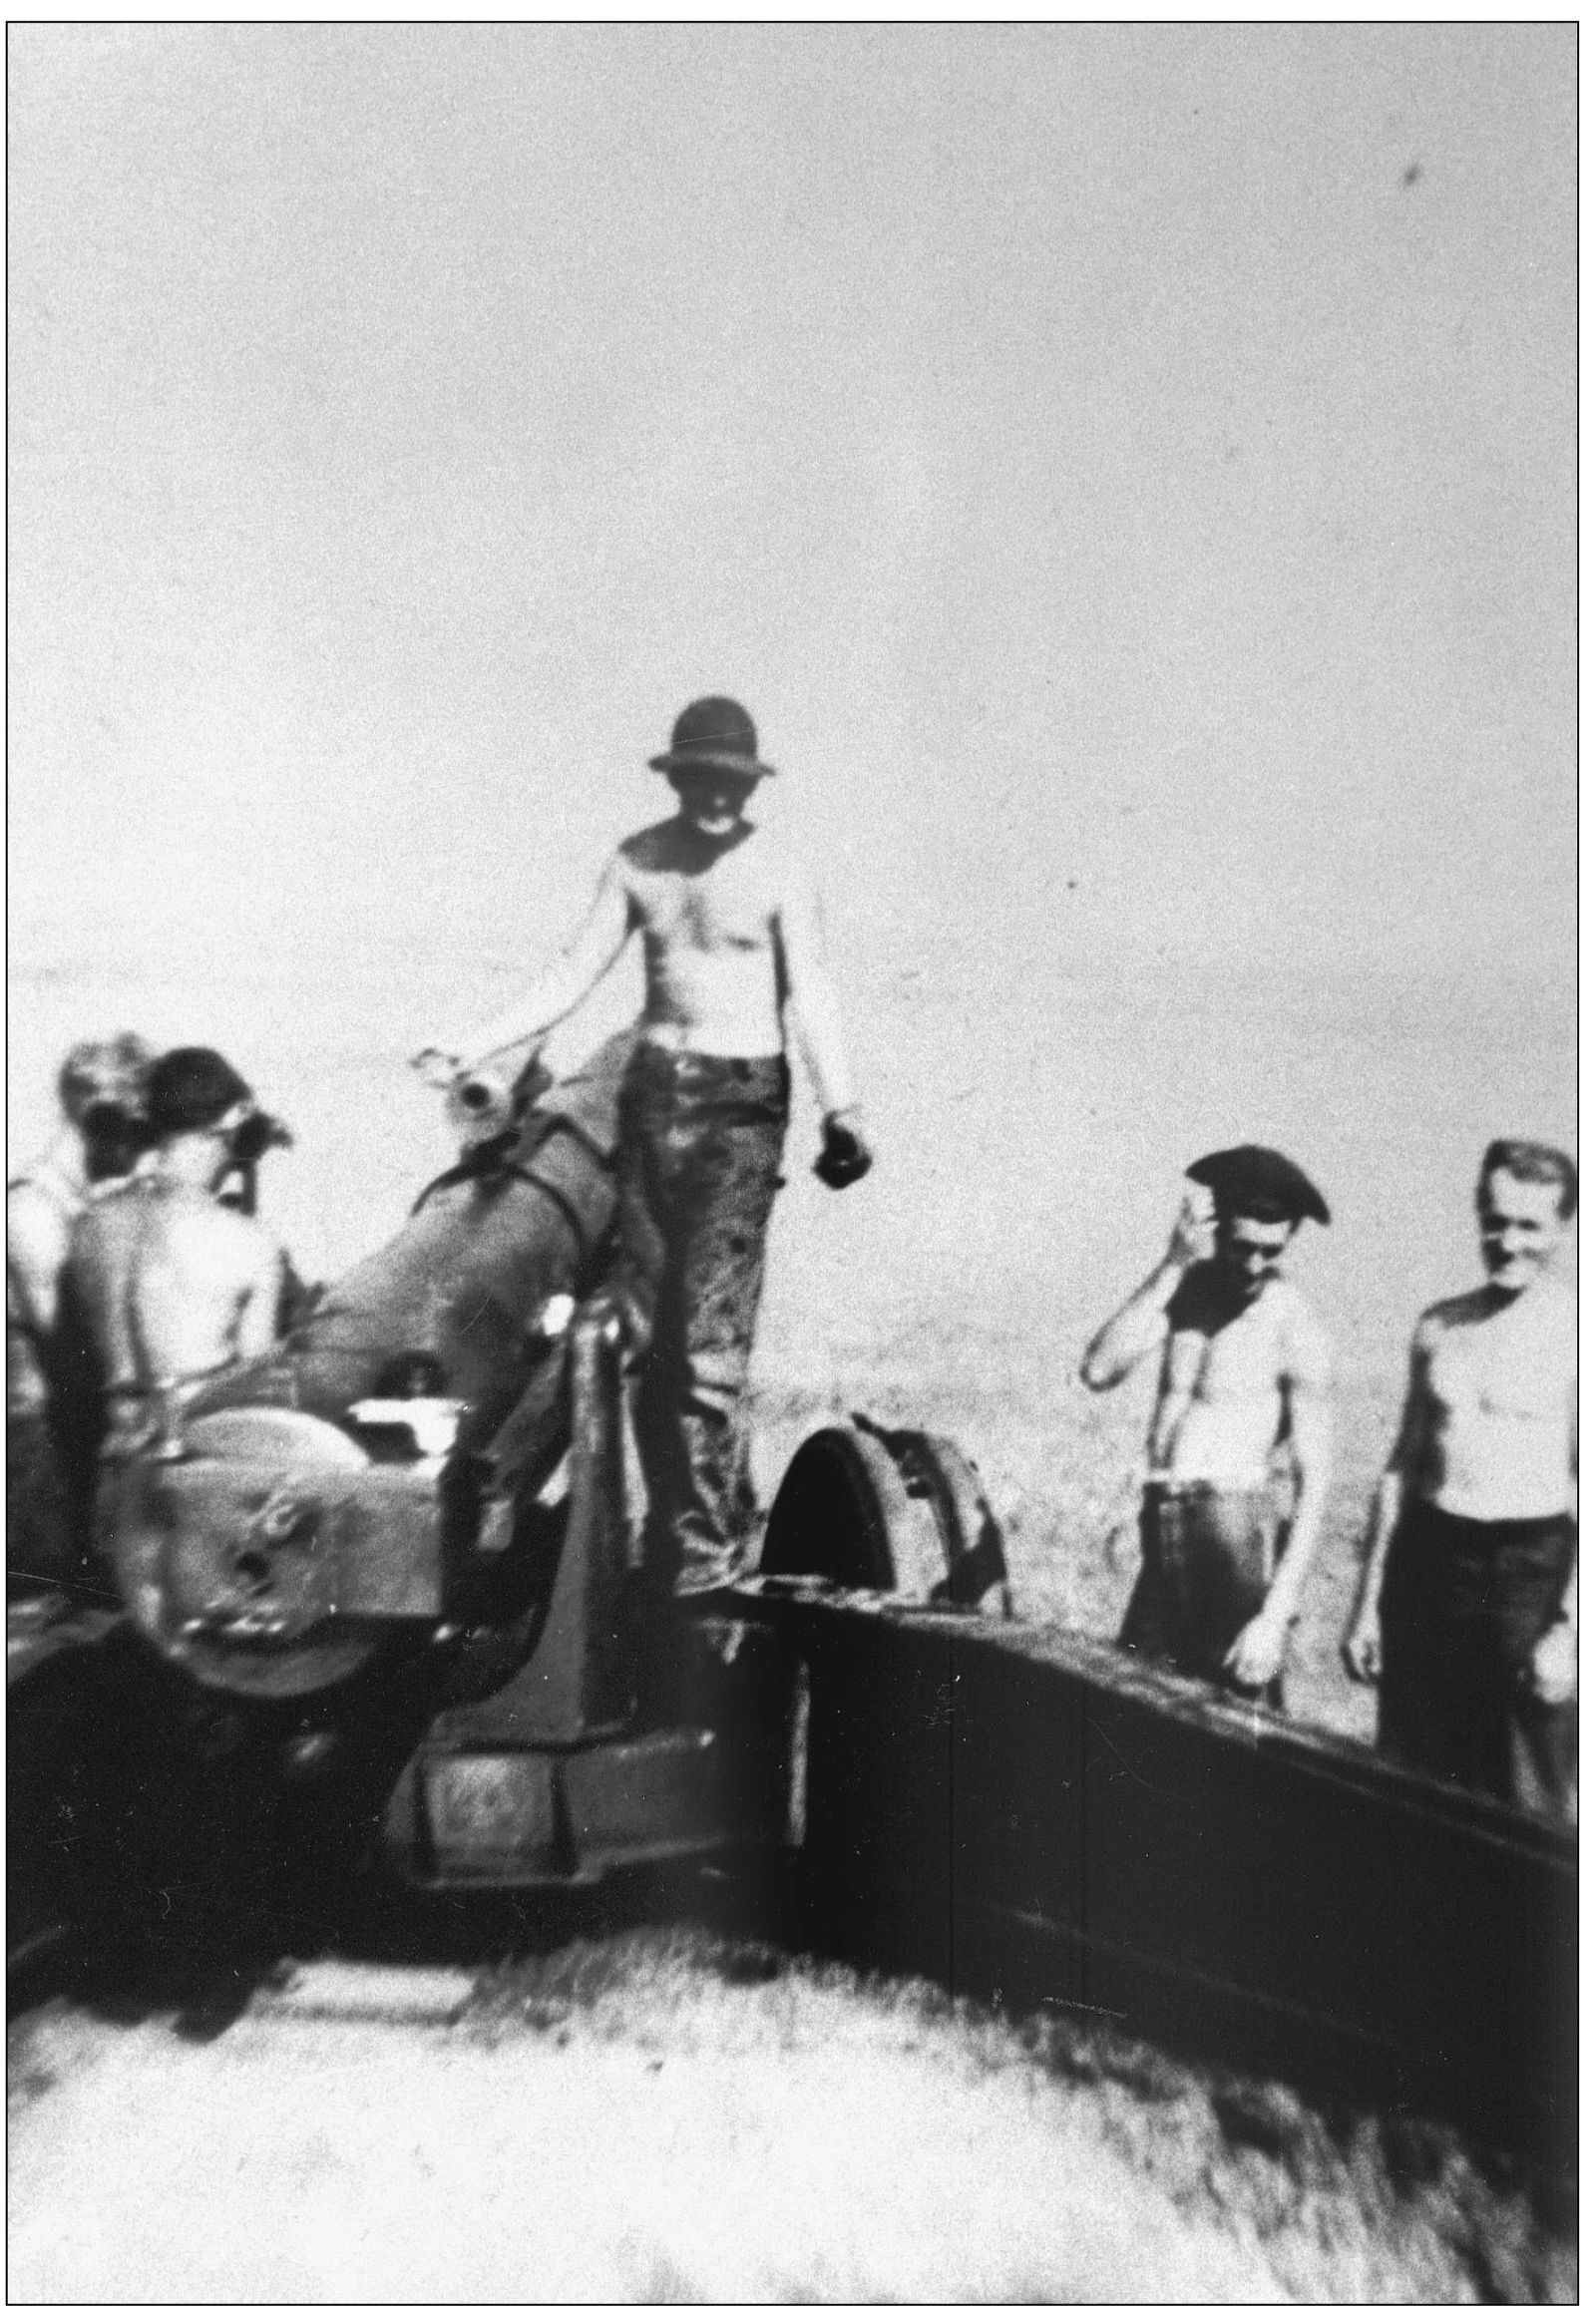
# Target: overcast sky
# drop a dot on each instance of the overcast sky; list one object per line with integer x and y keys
{"x": 1127, "y": 472}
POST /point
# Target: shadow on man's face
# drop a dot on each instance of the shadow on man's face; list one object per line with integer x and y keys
{"x": 1248, "y": 1249}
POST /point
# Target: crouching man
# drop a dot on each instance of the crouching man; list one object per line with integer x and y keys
{"x": 173, "y": 1284}
{"x": 1469, "y": 1602}
{"x": 1244, "y": 1384}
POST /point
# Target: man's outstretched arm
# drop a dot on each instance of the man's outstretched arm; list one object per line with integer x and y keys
{"x": 591, "y": 953}
{"x": 1141, "y": 1325}
{"x": 811, "y": 996}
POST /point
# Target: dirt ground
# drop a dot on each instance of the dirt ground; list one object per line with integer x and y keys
{"x": 665, "y": 2115}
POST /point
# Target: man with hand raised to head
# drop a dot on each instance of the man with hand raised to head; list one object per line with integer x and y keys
{"x": 1243, "y": 1390}
{"x": 732, "y": 956}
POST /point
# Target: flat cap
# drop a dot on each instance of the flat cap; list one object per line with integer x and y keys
{"x": 1256, "y": 1181}
{"x": 192, "y": 1089}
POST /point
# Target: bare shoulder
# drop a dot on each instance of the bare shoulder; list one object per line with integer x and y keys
{"x": 788, "y": 865}
{"x": 36, "y": 1228}
{"x": 116, "y": 1214}
{"x": 1306, "y": 1344}
{"x": 652, "y": 849}
{"x": 1448, "y": 1314}
{"x": 1558, "y": 1311}
{"x": 1561, "y": 1305}
{"x": 783, "y": 850}
{"x": 223, "y": 1239}
{"x": 249, "y": 1239}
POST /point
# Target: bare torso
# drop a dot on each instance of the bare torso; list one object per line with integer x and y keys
{"x": 1493, "y": 1417}
{"x": 1224, "y": 1389}
{"x": 733, "y": 956}
{"x": 171, "y": 1284}
{"x": 709, "y": 920}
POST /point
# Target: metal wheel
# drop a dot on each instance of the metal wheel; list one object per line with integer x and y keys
{"x": 900, "y": 1512}
{"x": 843, "y": 1512}
{"x": 225, "y": 1557}
{"x": 977, "y": 1569}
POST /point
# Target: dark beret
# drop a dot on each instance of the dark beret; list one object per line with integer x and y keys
{"x": 1256, "y": 1181}
{"x": 192, "y": 1089}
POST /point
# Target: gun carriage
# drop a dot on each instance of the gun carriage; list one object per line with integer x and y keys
{"x": 375, "y": 1613}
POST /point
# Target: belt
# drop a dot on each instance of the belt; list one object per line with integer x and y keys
{"x": 683, "y": 1064}
{"x": 1206, "y": 1486}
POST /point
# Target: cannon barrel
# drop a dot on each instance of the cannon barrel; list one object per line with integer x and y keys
{"x": 466, "y": 1278}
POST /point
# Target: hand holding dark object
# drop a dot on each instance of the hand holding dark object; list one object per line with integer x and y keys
{"x": 249, "y": 1143}
{"x": 255, "y": 1135}
{"x": 844, "y": 1155}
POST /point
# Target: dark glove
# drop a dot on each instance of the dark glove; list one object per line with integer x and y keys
{"x": 844, "y": 1155}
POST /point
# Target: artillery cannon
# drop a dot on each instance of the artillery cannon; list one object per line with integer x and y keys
{"x": 380, "y": 1576}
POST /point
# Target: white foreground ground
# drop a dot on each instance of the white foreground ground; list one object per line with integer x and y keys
{"x": 646, "y": 2123}
{"x": 344, "y": 2158}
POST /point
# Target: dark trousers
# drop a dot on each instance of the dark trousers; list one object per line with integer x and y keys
{"x": 1207, "y": 1558}
{"x": 40, "y": 1534}
{"x": 1461, "y": 1608}
{"x": 701, "y": 1141}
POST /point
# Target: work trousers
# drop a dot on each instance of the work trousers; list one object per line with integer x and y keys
{"x": 1208, "y": 1557}
{"x": 1461, "y": 1608}
{"x": 701, "y": 1141}
{"x": 40, "y": 1536}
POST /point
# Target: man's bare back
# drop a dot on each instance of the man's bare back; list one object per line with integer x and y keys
{"x": 174, "y": 1284}
{"x": 171, "y": 1284}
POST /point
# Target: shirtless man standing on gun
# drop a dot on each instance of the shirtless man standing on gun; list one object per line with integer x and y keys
{"x": 1245, "y": 1375}
{"x": 1469, "y": 1603}
{"x": 732, "y": 955}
